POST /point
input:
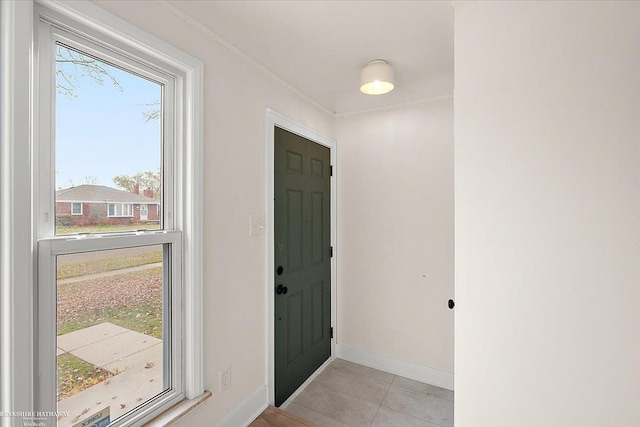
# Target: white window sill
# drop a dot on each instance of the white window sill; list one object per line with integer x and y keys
{"x": 177, "y": 411}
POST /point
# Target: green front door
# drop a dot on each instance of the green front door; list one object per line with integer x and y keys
{"x": 302, "y": 260}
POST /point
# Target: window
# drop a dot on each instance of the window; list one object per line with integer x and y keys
{"x": 120, "y": 210}
{"x": 101, "y": 303}
{"x": 119, "y": 318}
{"x": 110, "y": 121}
{"x": 76, "y": 208}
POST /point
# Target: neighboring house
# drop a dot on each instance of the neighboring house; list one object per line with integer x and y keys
{"x": 97, "y": 204}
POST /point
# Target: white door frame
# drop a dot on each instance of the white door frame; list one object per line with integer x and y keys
{"x": 275, "y": 119}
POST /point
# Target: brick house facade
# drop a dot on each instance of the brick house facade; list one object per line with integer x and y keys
{"x": 86, "y": 205}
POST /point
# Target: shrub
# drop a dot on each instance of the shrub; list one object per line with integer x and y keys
{"x": 64, "y": 220}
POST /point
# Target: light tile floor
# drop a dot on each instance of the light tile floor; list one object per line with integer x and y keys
{"x": 349, "y": 395}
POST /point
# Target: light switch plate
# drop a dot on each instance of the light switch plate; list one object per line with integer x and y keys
{"x": 256, "y": 224}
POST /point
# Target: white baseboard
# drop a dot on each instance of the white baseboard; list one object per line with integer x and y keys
{"x": 306, "y": 383}
{"x": 426, "y": 374}
{"x": 248, "y": 411}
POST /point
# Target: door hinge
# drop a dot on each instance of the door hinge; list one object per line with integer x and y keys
{"x": 331, "y": 333}
{"x": 331, "y": 252}
{"x": 331, "y": 170}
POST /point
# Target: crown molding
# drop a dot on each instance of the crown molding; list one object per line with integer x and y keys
{"x": 233, "y": 49}
{"x": 394, "y": 106}
{"x": 461, "y": 3}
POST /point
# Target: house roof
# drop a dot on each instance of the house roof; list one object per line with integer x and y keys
{"x": 100, "y": 193}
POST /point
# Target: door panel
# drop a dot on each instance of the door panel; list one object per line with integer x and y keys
{"x": 317, "y": 229}
{"x": 317, "y": 312}
{"x": 295, "y": 317}
{"x": 294, "y": 228}
{"x": 302, "y": 249}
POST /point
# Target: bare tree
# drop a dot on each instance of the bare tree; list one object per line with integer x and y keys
{"x": 88, "y": 180}
{"x": 79, "y": 66}
{"x": 91, "y": 180}
{"x": 154, "y": 113}
{"x": 74, "y": 66}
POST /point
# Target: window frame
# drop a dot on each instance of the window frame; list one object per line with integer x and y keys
{"x": 49, "y": 250}
{"x": 81, "y": 208}
{"x": 54, "y": 28}
{"x": 51, "y": 33}
{"x": 90, "y": 21}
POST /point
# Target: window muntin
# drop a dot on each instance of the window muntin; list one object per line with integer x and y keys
{"x": 118, "y": 210}
{"x": 76, "y": 208}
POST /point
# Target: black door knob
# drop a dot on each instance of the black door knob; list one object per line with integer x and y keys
{"x": 280, "y": 270}
{"x": 281, "y": 290}
{"x": 451, "y": 304}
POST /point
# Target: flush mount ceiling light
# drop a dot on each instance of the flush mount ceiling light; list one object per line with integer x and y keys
{"x": 376, "y": 78}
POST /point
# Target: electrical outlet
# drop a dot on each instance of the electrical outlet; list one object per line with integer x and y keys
{"x": 225, "y": 378}
{"x": 256, "y": 224}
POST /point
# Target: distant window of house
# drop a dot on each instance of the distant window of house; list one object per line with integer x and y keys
{"x": 117, "y": 210}
{"x": 112, "y": 124}
{"x": 76, "y": 208}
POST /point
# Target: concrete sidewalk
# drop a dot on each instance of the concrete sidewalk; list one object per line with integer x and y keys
{"x": 109, "y": 273}
{"x": 135, "y": 359}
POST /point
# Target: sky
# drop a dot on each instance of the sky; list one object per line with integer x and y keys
{"x": 101, "y": 131}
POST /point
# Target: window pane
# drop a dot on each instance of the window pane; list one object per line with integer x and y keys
{"x": 108, "y": 146}
{"x": 111, "y": 338}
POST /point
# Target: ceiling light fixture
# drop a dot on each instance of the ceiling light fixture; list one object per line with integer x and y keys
{"x": 376, "y": 78}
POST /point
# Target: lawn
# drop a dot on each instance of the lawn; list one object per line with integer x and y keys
{"x": 101, "y": 265}
{"x": 131, "y": 300}
{"x": 75, "y": 375}
{"x": 105, "y": 228}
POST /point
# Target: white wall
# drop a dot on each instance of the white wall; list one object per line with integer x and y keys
{"x": 235, "y": 285}
{"x": 395, "y": 234}
{"x": 547, "y": 173}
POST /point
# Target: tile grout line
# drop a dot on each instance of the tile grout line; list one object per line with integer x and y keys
{"x": 348, "y": 394}
{"x": 385, "y": 396}
{"x": 387, "y": 392}
{"x": 317, "y": 412}
{"x": 416, "y": 393}
{"x": 313, "y": 410}
{"x": 353, "y": 395}
{"x": 363, "y": 375}
{"x": 368, "y": 376}
{"x": 374, "y": 416}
